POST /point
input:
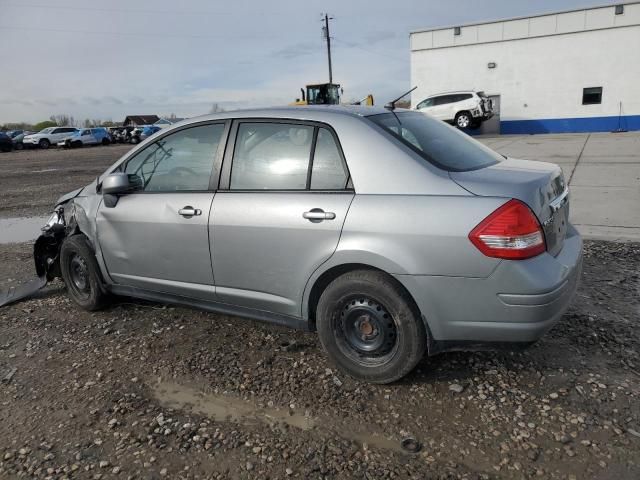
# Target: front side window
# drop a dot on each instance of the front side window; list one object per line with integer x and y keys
{"x": 182, "y": 161}
{"x": 271, "y": 156}
{"x": 426, "y": 103}
{"x": 328, "y": 172}
{"x": 435, "y": 141}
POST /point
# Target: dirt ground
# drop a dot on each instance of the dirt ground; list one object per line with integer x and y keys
{"x": 142, "y": 390}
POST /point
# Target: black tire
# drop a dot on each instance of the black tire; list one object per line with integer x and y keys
{"x": 18, "y": 146}
{"x": 81, "y": 273}
{"x": 106, "y": 141}
{"x": 135, "y": 140}
{"x": 76, "y": 144}
{"x": 370, "y": 327}
{"x": 463, "y": 120}
{"x": 44, "y": 143}
{"x": 475, "y": 124}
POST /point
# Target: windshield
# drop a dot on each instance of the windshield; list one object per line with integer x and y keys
{"x": 438, "y": 143}
{"x": 46, "y": 130}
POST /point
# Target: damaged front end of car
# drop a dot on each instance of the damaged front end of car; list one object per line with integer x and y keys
{"x": 46, "y": 251}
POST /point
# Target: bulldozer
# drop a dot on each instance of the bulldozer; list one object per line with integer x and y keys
{"x": 326, "y": 94}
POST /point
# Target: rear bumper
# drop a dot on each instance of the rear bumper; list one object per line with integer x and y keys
{"x": 518, "y": 302}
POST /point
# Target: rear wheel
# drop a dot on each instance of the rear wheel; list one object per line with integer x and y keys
{"x": 44, "y": 143}
{"x": 369, "y": 327}
{"x": 105, "y": 141}
{"x": 81, "y": 273}
{"x": 463, "y": 120}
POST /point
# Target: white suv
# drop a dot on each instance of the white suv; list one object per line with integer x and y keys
{"x": 465, "y": 109}
{"x": 47, "y": 137}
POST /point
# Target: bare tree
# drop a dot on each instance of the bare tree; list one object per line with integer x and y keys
{"x": 63, "y": 120}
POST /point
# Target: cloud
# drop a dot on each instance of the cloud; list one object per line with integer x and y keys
{"x": 297, "y": 50}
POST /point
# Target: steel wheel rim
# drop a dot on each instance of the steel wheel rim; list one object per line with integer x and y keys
{"x": 365, "y": 331}
{"x": 79, "y": 275}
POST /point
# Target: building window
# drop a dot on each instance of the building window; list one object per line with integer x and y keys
{"x": 592, "y": 95}
{"x": 456, "y": 30}
{"x": 619, "y": 9}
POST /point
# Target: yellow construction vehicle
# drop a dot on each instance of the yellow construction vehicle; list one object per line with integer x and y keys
{"x": 326, "y": 94}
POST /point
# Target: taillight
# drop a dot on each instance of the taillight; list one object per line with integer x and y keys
{"x": 512, "y": 232}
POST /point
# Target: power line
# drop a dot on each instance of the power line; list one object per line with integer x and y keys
{"x": 355, "y": 45}
{"x": 135, "y": 34}
{"x": 110, "y": 10}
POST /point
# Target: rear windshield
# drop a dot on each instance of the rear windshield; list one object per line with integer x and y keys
{"x": 438, "y": 143}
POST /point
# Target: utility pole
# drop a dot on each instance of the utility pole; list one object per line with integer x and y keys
{"x": 327, "y": 36}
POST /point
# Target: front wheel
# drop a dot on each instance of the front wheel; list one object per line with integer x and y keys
{"x": 369, "y": 327}
{"x": 44, "y": 143}
{"x": 81, "y": 273}
{"x": 463, "y": 120}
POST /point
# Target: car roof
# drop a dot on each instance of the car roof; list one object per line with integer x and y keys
{"x": 451, "y": 93}
{"x": 307, "y": 112}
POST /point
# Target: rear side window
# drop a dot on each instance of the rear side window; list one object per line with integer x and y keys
{"x": 181, "y": 161}
{"x": 328, "y": 172}
{"x": 271, "y": 156}
{"x": 438, "y": 143}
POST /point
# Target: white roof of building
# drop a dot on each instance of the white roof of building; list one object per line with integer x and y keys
{"x": 544, "y": 24}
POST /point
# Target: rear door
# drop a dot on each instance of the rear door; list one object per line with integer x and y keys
{"x": 158, "y": 238}
{"x": 441, "y": 108}
{"x": 279, "y": 212}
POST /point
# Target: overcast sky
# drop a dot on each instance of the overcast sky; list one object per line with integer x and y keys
{"x": 111, "y": 58}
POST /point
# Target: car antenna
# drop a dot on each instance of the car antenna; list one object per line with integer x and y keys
{"x": 392, "y": 104}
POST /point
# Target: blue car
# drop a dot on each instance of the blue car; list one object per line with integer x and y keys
{"x": 87, "y": 136}
{"x": 144, "y": 132}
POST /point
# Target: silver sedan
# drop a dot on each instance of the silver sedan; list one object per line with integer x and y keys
{"x": 388, "y": 232}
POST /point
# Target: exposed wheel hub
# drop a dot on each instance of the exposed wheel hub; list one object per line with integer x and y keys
{"x": 367, "y": 327}
{"x": 79, "y": 274}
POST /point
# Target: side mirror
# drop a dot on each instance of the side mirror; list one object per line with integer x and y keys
{"x": 118, "y": 184}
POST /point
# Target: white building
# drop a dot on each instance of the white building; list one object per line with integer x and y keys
{"x": 572, "y": 71}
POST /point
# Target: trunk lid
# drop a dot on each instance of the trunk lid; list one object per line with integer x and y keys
{"x": 540, "y": 185}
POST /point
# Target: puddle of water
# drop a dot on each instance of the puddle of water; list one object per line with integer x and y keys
{"x": 224, "y": 408}
{"x": 227, "y": 408}
{"x": 13, "y": 230}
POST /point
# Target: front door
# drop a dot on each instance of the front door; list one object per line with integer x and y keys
{"x": 158, "y": 238}
{"x": 279, "y": 217}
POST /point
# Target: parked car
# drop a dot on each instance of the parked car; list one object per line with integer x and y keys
{"x": 87, "y": 136}
{"x": 17, "y": 138}
{"x": 140, "y": 134}
{"x": 47, "y": 137}
{"x": 389, "y": 232}
{"x": 6, "y": 145}
{"x": 467, "y": 109}
{"x": 121, "y": 134}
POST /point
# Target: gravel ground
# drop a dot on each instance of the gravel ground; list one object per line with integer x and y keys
{"x": 141, "y": 390}
{"x": 32, "y": 180}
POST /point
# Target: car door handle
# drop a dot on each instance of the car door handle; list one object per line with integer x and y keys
{"x": 318, "y": 215}
{"x": 189, "y": 211}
